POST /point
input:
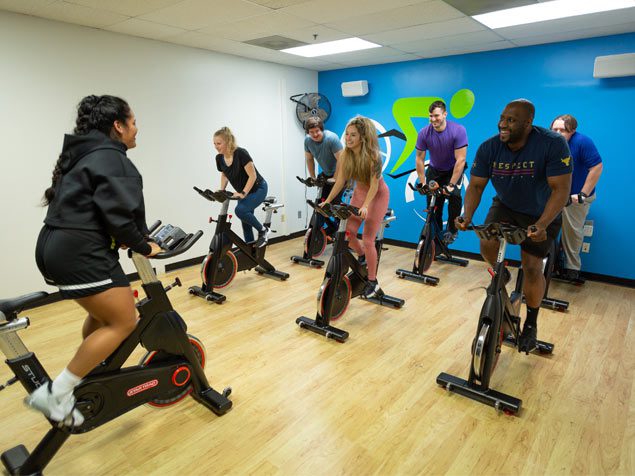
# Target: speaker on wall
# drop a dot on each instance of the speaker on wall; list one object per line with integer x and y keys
{"x": 355, "y": 88}
{"x": 614, "y": 66}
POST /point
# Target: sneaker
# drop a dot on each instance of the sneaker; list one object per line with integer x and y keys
{"x": 372, "y": 290}
{"x": 263, "y": 237}
{"x": 59, "y": 409}
{"x": 528, "y": 339}
{"x": 449, "y": 237}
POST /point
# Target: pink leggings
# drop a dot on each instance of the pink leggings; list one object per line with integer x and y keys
{"x": 376, "y": 212}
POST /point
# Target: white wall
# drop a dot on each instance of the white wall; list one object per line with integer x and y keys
{"x": 180, "y": 96}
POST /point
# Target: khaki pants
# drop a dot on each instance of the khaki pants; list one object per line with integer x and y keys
{"x": 573, "y": 218}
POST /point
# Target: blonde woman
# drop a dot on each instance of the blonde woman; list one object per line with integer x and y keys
{"x": 237, "y": 167}
{"x": 361, "y": 162}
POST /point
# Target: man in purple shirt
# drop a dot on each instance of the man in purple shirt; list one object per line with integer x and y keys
{"x": 447, "y": 143}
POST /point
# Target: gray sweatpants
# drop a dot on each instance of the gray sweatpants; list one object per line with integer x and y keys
{"x": 573, "y": 218}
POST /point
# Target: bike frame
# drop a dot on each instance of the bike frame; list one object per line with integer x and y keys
{"x": 498, "y": 323}
{"x": 160, "y": 328}
{"x": 248, "y": 255}
{"x": 342, "y": 260}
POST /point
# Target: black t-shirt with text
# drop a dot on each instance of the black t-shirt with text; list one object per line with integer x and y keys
{"x": 520, "y": 177}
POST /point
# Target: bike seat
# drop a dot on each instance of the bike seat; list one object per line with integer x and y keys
{"x": 269, "y": 200}
{"x": 15, "y": 305}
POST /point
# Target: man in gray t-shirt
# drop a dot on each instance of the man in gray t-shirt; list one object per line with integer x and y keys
{"x": 324, "y": 147}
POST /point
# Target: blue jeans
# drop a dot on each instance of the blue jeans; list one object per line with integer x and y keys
{"x": 245, "y": 210}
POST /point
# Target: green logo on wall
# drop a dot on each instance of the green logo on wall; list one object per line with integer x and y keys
{"x": 405, "y": 109}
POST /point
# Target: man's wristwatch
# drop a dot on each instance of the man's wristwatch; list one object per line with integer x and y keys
{"x": 582, "y": 197}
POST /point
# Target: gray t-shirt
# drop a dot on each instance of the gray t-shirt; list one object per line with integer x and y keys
{"x": 324, "y": 152}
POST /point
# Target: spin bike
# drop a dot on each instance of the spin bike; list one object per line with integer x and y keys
{"x": 171, "y": 369}
{"x": 340, "y": 284}
{"x": 431, "y": 245}
{"x": 223, "y": 260}
{"x": 498, "y": 323}
{"x": 315, "y": 238}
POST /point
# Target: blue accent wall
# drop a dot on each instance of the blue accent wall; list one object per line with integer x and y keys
{"x": 558, "y": 79}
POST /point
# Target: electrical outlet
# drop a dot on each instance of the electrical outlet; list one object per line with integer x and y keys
{"x": 283, "y": 217}
{"x": 586, "y": 247}
{"x": 299, "y": 213}
{"x": 588, "y": 228}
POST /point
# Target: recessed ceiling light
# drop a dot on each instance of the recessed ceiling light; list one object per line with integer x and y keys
{"x": 549, "y": 11}
{"x": 331, "y": 47}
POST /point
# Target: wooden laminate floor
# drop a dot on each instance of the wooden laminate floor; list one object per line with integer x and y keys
{"x": 307, "y": 406}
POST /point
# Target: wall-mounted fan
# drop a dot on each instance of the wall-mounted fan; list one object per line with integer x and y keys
{"x": 311, "y": 105}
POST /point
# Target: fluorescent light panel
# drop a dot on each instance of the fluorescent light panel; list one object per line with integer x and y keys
{"x": 331, "y": 47}
{"x": 549, "y": 11}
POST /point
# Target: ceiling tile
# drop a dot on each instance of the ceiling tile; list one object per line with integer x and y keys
{"x": 326, "y": 11}
{"x": 574, "y": 35}
{"x": 271, "y": 23}
{"x": 197, "y": 14}
{"x": 424, "y": 32}
{"x": 373, "y": 53}
{"x": 306, "y": 34}
{"x": 78, "y": 14}
{"x": 435, "y": 53}
{"x": 448, "y": 42}
{"x": 23, "y": 6}
{"x": 276, "y": 4}
{"x": 373, "y": 61}
{"x": 145, "y": 29}
{"x": 397, "y": 18}
{"x": 126, "y": 7}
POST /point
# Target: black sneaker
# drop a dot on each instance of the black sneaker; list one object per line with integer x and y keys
{"x": 372, "y": 290}
{"x": 449, "y": 237}
{"x": 263, "y": 237}
{"x": 528, "y": 338}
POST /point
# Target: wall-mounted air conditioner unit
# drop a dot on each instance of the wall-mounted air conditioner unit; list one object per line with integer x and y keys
{"x": 614, "y": 66}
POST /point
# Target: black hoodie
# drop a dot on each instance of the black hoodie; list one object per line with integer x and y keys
{"x": 100, "y": 190}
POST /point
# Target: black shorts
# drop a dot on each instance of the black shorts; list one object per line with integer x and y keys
{"x": 498, "y": 212}
{"x": 79, "y": 262}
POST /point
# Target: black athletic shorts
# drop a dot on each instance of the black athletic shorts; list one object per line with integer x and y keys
{"x": 79, "y": 262}
{"x": 498, "y": 212}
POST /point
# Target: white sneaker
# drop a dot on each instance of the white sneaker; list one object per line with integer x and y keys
{"x": 57, "y": 409}
{"x": 263, "y": 237}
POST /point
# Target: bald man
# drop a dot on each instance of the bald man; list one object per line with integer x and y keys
{"x": 530, "y": 168}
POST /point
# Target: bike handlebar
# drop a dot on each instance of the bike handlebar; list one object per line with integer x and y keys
{"x": 427, "y": 189}
{"x": 513, "y": 234}
{"x": 320, "y": 181}
{"x": 217, "y": 196}
{"x": 342, "y": 211}
{"x": 173, "y": 240}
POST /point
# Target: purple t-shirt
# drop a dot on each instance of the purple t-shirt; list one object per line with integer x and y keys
{"x": 442, "y": 144}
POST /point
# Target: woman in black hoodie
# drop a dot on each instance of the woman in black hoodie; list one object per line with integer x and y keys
{"x": 95, "y": 206}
